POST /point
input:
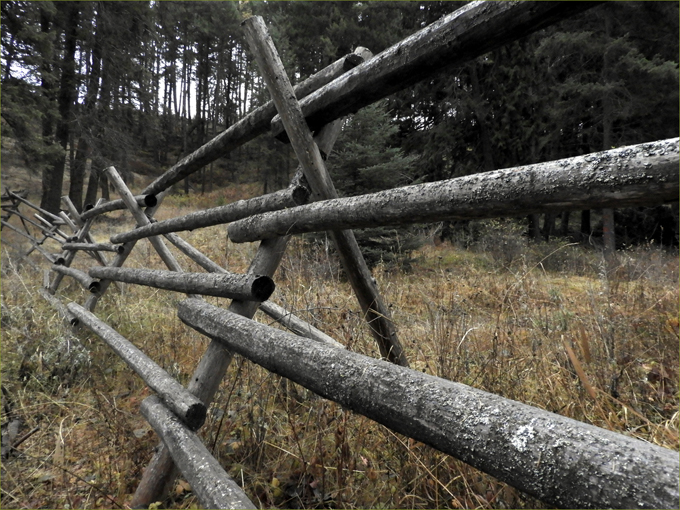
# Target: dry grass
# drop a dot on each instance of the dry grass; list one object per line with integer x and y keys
{"x": 543, "y": 324}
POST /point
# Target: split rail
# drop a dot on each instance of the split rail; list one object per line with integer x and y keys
{"x": 561, "y": 461}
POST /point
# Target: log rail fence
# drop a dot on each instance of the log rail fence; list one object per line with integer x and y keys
{"x": 561, "y": 461}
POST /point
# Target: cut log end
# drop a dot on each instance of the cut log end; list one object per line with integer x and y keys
{"x": 301, "y": 195}
{"x": 94, "y": 287}
{"x": 263, "y": 287}
{"x": 195, "y": 416}
{"x": 150, "y": 200}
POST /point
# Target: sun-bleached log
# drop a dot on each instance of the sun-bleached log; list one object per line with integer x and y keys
{"x": 246, "y": 287}
{"x": 644, "y": 174}
{"x": 251, "y": 126}
{"x": 81, "y": 277}
{"x": 185, "y": 405}
{"x": 211, "y": 484}
{"x": 561, "y": 461}
{"x": 289, "y": 197}
{"x": 93, "y": 247}
{"x": 118, "y": 205}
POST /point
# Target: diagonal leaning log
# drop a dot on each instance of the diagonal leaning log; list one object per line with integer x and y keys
{"x": 376, "y": 313}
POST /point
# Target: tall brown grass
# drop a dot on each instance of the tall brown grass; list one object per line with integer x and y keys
{"x": 539, "y": 323}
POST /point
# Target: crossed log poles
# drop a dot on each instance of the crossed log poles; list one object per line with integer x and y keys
{"x": 452, "y": 418}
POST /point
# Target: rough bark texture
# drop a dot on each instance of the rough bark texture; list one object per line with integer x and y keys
{"x": 290, "y": 197}
{"x": 644, "y": 174}
{"x": 81, "y": 277}
{"x": 561, "y": 461}
{"x": 117, "y": 205}
{"x": 245, "y": 287}
{"x": 185, "y": 405}
{"x": 142, "y": 219}
{"x": 253, "y": 125}
{"x": 211, "y": 484}
{"x": 93, "y": 247}
{"x": 466, "y": 33}
{"x": 312, "y": 164}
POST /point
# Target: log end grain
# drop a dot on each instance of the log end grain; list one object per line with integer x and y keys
{"x": 150, "y": 200}
{"x": 262, "y": 288}
{"x": 94, "y": 287}
{"x": 195, "y": 416}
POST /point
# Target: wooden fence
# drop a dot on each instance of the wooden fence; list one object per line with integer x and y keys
{"x": 561, "y": 461}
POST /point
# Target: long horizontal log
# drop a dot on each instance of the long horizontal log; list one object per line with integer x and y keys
{"x": 147, "y": 200}
{"x": 251, "y": 126}
{"x": 466, "y": 33}
{"x": 644, "y": 174}
{"x": 79, "y": 276}
{"x": 211, "y": 484}
{"x": 246, "y": 287}
{"x": 93, "y": 247}
{"x": 297, "y": 325}
{"x": 289, "y": 197}
{"x": 185, "y": 405}
{"x": 561, "y": 461}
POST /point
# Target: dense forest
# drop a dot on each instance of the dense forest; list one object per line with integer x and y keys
{"x": 139, "y": 85}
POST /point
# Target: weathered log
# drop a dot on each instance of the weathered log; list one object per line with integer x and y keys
{"x": 644, "y": 174}
{"x": 141, "y": 218}
{"x": 32, "y": 240}
{"x": 67, "y": 256}
{"x": 289, "y": 197}
{"x": 53, "y": 227}
{"x": 118, "y": 248}
{"x": 56, "y": 220}
{"x": 159, "y": 474}
{"x": 251, "y": 126}
{"x": 466, "y": 33}
{"x": 80, "y": 222}
{"x": 311, "y": 161}
{"x": 59, "y": 306}
{"x": 561, "y": 461}
{"x": 235, "y": 286}
{"x": 79, "y": 276}
{"x": 185, "y": 405}
{"x": 194, "y": 254}
{"x": 211, "y": 484}
{"x": 120, "y": 259}
{"x": 147, "y": 200}
{"x": 297, "y": 325}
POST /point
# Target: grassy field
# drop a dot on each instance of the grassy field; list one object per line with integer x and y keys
{"x": 500, "y": 315}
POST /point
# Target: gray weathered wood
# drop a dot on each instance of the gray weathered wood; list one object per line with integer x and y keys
{"x": 644, "y": 174}
{"x": 466, "y": 33}
{"x": 141, "y": 218}
{"x": 297, "y": 325}
{"x": 53, "y": 226}
{"x": 289, "y": 197}
{"x": 194, "y": 254}
{"x": 160, "y": 473}
{"x": 185, "y": 405}
{"x": 376, "y": 313}
{"x": 56, "y": 220}
{"x": 79, "y": 276}
{"x": 34, "y": 242}
{"x": 247, "y": 287}
{"x": 211, "y": 484}
{"x": 117, "y": 248}
{"x": 120, "y": 258}
{"x": 118, "y": 205}
{"x": 59, "y": 306}
{"x": 561, "y": 461}
{"x": 251, "y": 126}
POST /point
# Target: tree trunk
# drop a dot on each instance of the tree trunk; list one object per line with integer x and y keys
{"x": 608, "y": 228}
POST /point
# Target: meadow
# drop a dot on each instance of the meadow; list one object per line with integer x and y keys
{"x": 549, "y": 324}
